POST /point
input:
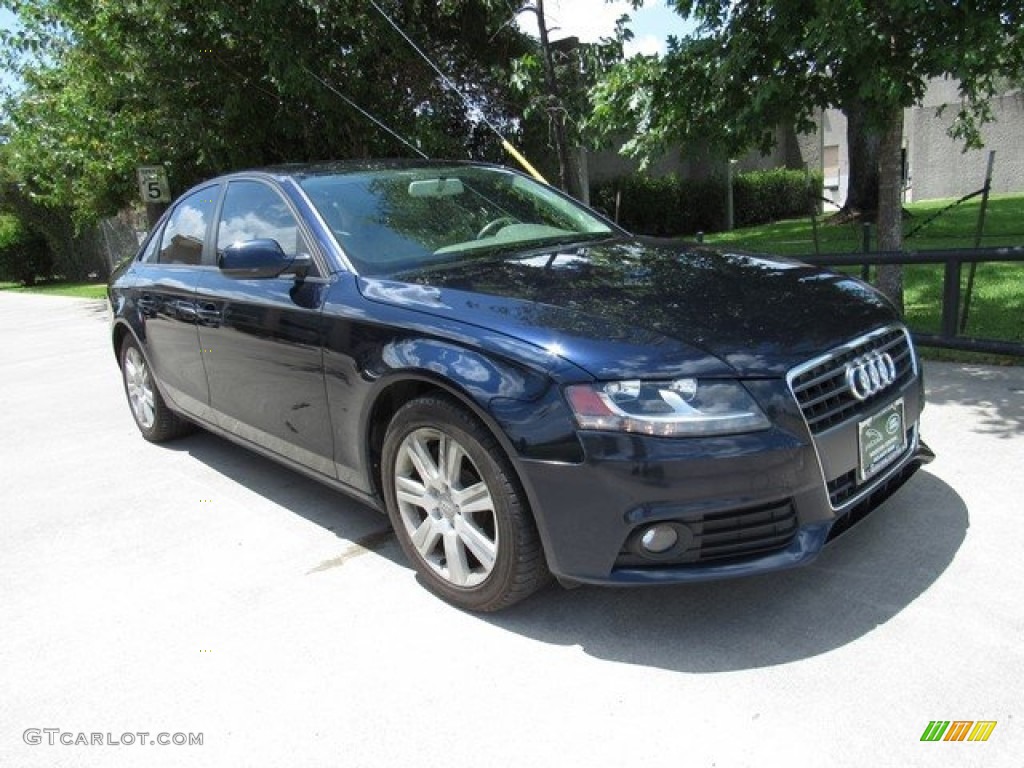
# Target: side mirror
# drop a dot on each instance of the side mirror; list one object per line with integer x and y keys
{"x": 260, "y": 258}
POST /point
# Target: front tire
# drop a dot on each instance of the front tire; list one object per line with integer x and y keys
{"x": 155, "y": 420}
{"x": 457, "y": 508}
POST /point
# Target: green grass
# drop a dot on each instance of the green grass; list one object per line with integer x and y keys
{"x": 955, "y": 228}
{"x": 997, "y": 304}
{"x": 78, "y": 290}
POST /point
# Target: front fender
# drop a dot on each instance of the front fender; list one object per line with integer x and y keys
{"x": 522, "y": 406}
{"x": 479, "y": 375}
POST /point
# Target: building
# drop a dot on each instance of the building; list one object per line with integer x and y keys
{"x": 936, "y": 164}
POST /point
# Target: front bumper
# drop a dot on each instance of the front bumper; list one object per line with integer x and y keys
{"x": 745, "y": 504}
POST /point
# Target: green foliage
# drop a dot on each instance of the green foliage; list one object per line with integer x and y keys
{"x": 758, "y": 63}
{"x": 663, "y": 206}
{"x": 11, "y": 231}
{"x": 73, "y": 249}
{"x": 222, "y": 85}
{"x": 668, "y": 206}
{"x": 755, "y": 64}
{"x": 577, "y": 70}
{"x": 763, "y": 196}
{"x": 24, "y": 255}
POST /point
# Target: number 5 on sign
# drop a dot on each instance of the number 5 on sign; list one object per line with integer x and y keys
{"x": 153, "y": 184}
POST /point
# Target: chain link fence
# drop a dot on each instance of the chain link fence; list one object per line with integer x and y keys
{"x": 118, "y": 237}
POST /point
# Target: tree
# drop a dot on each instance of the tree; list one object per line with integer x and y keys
{"x": 24, "y": 255}
{"x": 557, "y": 79}
{"x": 862, "y": 145}
{"x": 755, "y": 63}
{"x": 555, "y": 107}
{"x": 206, "y": 87}
{"x": 48, "y": 242}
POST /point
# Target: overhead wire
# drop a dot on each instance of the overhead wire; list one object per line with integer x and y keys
{"x": 366, "y": 114}
{"x": 465, "y": 99}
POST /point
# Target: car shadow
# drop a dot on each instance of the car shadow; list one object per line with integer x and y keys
{"x": 860, "y": 581}
{"x": 363, "y": 528}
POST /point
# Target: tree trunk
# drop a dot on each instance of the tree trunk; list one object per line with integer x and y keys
{"x": 556, "y": 109}
{"x": 863, "y": 144}
{"x": 890, "y": 204}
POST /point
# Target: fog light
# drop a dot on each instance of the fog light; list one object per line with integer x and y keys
{"x": 659, "y": 538}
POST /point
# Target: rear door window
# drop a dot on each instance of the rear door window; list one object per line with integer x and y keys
{"x": 186, "y": 230}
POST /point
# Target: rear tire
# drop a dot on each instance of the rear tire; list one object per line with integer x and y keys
{"x": 155, "y": 420}
{"x": 457, "y": 508}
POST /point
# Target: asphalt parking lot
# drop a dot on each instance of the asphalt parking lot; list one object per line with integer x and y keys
{"x": 197, "y": 588}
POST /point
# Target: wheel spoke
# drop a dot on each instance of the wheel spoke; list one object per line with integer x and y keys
{"x": 455, "y": 556}
{"x": 451, "y": 454}
{"x": 416, "y": 449}
{"x": 425, "y": 538}
{"x": 474, "y": 499}
{"x": 147, "y": 413}
{"x": 477, "y": 542}
{"x": 411, "y": 492}
{"x": 141, "y": 396}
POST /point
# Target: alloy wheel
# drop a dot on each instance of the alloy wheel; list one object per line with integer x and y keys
{"x": 446, "y": 507}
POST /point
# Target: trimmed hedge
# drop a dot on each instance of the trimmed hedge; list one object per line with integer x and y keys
{"x": 761, "y": 197}
{"x": 662, "y": 206}
{"x": 669, "y": 206}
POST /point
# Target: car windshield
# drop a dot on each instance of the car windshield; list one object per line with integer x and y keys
{"x": 390, "y": 221}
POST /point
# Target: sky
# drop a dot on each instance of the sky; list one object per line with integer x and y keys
{"x": 591, "y": 19}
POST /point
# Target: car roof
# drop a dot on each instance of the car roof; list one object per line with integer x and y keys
{"x": 305, "y": 170}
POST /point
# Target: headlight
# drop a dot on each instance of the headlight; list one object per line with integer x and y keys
{"x": 677, "y": 408}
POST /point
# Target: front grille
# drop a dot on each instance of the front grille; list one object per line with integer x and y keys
{"x": 820, "y": 386}
{"x": 731, "y": 535}
{"x": 842, "y": 488}
{"x": 873, "y": 500}
{"x": 741, "y": 534}
{"x": 846, "y": 486}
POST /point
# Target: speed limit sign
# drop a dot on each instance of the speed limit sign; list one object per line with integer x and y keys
{"x": 153, "y": 184}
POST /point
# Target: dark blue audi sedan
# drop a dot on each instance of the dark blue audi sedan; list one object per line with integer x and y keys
{"x": 526, "y": 389}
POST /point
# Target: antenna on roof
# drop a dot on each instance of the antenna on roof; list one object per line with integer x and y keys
{"x": 465, "y": 100}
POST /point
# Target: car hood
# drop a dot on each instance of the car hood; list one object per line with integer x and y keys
{"x": 623, "y": 309}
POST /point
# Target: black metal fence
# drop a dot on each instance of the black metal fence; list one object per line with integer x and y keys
{"x": 953, "y": 260}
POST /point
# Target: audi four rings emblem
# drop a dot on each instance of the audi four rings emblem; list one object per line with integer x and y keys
{"x": 869, "y": 375}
